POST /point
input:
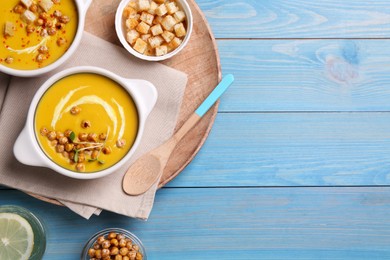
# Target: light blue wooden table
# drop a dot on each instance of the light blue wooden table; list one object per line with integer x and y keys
{"x": 297, "y": 165}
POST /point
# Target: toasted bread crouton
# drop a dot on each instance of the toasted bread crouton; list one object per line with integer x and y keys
{"x": 179, "y": 16}
{"x": 147, "y": 18}
{"x": 140, "y": 46}
{"x": 27, "y": 3}
{"x": 157, "y": 19}
{"x": 45, "y": 5}
{"x": 180, "y": 30}
{"x": 168, "y": 22}
{"x": 168, "y": 36}
{"x": 129, "y": 12}
{"x": 28, "y": 17}
{"x": 155, "y": 41}
{"x": 132, "y": 36}
{"x": 161, "y": 50}
{"x": 161, "y": 10}
{"x": 133, "y": 4}
{"x": 153, "y": 6}
{"x": 174, "y": 44}
{"x": 143, "y": 27}
{"x": 143, "y": 5}
{"x": 145, "y": 37}
{"x": 9, "y": 29}
{"x": 131, "y": 23}
{"x": 171, "y": 7}
{"x": 156, "y": 30}
{"x": 160, "y": 1}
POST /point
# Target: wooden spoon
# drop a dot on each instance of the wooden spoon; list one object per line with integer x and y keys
{"x": 145, "y": 171}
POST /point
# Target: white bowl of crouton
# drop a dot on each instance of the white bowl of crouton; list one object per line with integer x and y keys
{"x": 154, "y": 30}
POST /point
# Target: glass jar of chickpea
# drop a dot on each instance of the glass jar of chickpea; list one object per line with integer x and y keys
{"x": 114, "y": 243}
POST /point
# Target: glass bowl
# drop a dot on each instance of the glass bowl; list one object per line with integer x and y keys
{"x": 36, "y": 225}
{"x": 135, "y": 240}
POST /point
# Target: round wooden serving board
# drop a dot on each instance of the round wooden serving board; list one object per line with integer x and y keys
{"x": 199, "y": 60}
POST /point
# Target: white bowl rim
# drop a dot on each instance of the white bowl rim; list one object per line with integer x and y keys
{"x": 45, "y": 161}
{"x": 126, "y": 45}
{"x": 82, "y": 7}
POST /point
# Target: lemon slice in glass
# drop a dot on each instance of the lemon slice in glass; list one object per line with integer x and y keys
{"x": 16, "y": 237}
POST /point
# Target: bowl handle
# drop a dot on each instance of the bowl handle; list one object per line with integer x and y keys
{"x": 87, "y": 3}
{"x": 145, "y": 92}
{"x": 24, "y": 150}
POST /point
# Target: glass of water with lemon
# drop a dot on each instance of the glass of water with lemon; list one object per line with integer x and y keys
{"x": 22, "y": 235}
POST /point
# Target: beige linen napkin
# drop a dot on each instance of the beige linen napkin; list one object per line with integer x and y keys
{"x": 86, "y": 197}
{"x": 4, "y": 81}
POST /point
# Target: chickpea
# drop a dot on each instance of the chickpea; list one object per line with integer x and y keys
{"x": 138, "y": 256}
{"x": 114, "y": 242}
{"x": 106, "y": 150}
{"x": 114, "y": 250}
{"x": 106, "y": 258}
{"x": 106, "y": 244}
{"x": 105, "y": 252}
{"x": 67, "y": 132}
{"x": 43, "y": 49}
{"x": 120, "y": 143}
{"x": 34, "y": 8}
{"x": 136, "y": 247}
{"x": 44, "y": 131}
{"x": 44, "y": 16}
{"x": 65, "y": 154}
{"x": 91, "y": 252}
{"x": 93, "y": 138}
{"x": 9, "y": 60}
{"x": 30, "y": 29}
{"x": 132, "y": 254}
{"x": 61, "y": 41}
{"x": 75, "y": 110}
{"x": 60, "y": 148}
{"x": 64, "y": 19}
{"x": 80, "y": 167}
{"x": 103, "y": 137}
{"x": 120, "y": 236}
{"x": 118, "y": 257}
{"x": 122, "y": 243}
{"x": 52, "y": 135}
{"x": 100, "y": 240}
{"x": 123, "y": 251}
{"x": 129, "y": 245}
{"x": 39, "y": 22}
{"x": 19, "y": 9}
{"x": 49, "y": 24}
{"x": 79, "y": 146}
{"x": 69, "y": 147}
{"x": 85, "y": 124}
{"x": 125, "y": 258}
{"x": 51, "y": 31}
{"x": 40, "y": 57}
{"x": 54, "y": 142}
{"x": 63, "y": 140}
{"x": 57, "y": 13}
{"x": 81, "y": 157}
{"x": 60, "y": 26}
{"x": 96, "y": 246}
{"x": 83, "y": 136}
{"x": 71, "y": 155}
{"x": 59, "y": 135}
{"x": 112, "y": 235}
{"x": 94, "y": 154}
{"x": 98, "y": 254}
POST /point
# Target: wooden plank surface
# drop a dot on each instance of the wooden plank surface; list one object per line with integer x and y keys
{"x": 298, "y": 19}
{"x": 306, "y": 75}
{"x": 285, "y": 223}
{"x": 293, "y": 149}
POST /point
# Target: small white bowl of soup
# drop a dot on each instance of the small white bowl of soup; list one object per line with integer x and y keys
{"x": 85, "y": 122}
{"x": 37, "y": 36}
{"x": 154, "y": 30}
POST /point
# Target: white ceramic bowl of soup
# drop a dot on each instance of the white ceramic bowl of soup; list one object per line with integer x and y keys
{"x": 30, "y": 147}
{"x": 121, "y": 31}
{"x": 49, "y": 63}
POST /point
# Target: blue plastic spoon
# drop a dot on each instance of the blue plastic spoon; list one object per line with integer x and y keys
{"x": 147, "y": 170}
